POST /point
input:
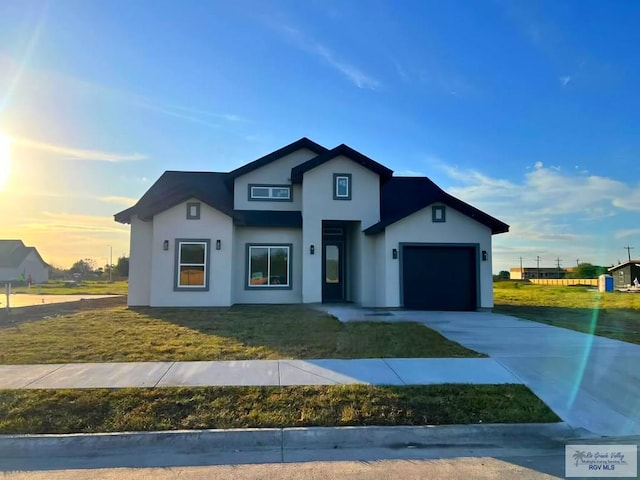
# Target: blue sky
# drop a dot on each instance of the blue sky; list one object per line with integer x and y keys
{"x": 528, "y": 110}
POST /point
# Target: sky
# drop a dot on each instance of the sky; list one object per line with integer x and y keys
{"x": 528, "y": 110}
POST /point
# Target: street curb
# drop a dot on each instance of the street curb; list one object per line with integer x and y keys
{"x": 263, "y": 439}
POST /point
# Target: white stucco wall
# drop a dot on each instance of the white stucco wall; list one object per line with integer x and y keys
{"x": 276, "y": 173}
{"x": 172, "y": 224}
{"x": 140, "y": 245}
{"x": 318, "y": 205}
{"x": 253, "y": 235}
{"x": 419, "y": 228}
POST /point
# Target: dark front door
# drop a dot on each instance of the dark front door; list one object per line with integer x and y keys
{"x": 333, "y": 271}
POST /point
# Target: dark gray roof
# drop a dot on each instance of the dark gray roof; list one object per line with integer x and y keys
{"x": 304, "y": 142}
{"x": 623, "y": 264}
{"x": 13, "y": 252}
{"x": 298, "y": 171}
{"x": 173, "y": 188}
{"x": 267, "y": 218}
{"x": 402, "y": 196}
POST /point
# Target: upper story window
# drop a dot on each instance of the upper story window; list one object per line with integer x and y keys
{"x": 342, "y": 186}
{"x": 193, "y": 211}
{"x": 271, "y": 193}
{"x": 438, "y": 213}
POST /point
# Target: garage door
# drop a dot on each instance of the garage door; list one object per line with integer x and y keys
{"x": 439, "y": 277}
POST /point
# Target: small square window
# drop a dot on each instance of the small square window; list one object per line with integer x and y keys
{"x": 438, "y": 214}
{"x": 342, "y": 186}
{"x": 193, "y": 211}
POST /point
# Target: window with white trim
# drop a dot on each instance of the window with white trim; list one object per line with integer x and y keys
{"x": 280, "y": 193}
{"x": 268, "y": 266}
{"x": 192, "y": 262}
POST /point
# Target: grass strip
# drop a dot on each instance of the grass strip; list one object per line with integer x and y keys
{"x": 102, "y": 410}
{"x": 120, "y": 334}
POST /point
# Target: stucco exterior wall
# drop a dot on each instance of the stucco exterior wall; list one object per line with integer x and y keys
{"x": 172, "y": 224}
{"x": 30, "y": 265}
{"x": 140, "y": 247}
{"x": 318, "y": 205}
{"x": 276, "y": 173}
{"x": 282, "y": 236}
{"x": 419, "y": 228}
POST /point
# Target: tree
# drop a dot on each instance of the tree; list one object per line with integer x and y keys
{"x": 504, "y": 275}
{"x": 122, "y": 267}
{"x": 83, "y": 266}
{"x": 587, "y": 270}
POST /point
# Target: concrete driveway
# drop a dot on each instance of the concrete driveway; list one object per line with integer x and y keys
{"x": 590, "y": 382}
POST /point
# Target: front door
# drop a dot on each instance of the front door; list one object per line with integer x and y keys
{"x": 333, "y": 271}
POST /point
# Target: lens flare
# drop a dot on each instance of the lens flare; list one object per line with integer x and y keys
{"x": 5, "y": 161}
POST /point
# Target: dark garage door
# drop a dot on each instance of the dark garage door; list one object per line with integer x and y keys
{"x": 439, "y": 277}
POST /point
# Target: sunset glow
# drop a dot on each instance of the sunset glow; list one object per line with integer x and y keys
{"x": 5, "y": 161}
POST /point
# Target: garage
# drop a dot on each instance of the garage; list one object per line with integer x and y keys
{"x": 439, "y": 277}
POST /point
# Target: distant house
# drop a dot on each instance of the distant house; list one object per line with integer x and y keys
{"x": 527, "y": 273}
{"x": 19, "y": 262}
{"x": 625, "y": 273}
{"x": 306, "y": 224}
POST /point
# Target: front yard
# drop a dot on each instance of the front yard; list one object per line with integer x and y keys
{"x": 614, "y": 315}
{"x": 115, "y": 333}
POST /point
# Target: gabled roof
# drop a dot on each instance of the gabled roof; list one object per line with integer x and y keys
{"x": 402, "y": 196}
{"x": 298, "y": 171}
{"x": 173, "y": 188}
{"x": 303, "y": 143}
{"x": 13, "y": 252}
{"x": 267, "y": 218}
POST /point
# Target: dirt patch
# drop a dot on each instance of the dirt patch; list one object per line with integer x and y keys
{"x": 37, "y": 312}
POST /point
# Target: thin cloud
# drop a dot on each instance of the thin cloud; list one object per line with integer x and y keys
{"x": 409, "y": 173}
{"x": 78, "y": 153}
{"x": 564, "y": 81}
{"x": 633, "y": 232}
{"x": 119, "y": 200}
{"x": 351, "y": 72}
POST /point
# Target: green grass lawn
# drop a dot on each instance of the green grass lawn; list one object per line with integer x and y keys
{"x": 614, "y": 314}
{"x": 84, "y": 287}
{"x": 117, "y": 333}
{"x": 100, "y": 410}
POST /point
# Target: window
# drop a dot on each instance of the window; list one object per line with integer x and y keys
{"x": 342, "y": 186}
{"x": 438, "y": 213}
{"x": 192, "y": 262}
{"x": 271, "y": 193}
{"x": 193, "y": 211}
{"x": 268, "y": 266}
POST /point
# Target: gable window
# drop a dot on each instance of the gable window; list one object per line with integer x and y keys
{"x": 268, "y": 266}
{"x": 342, "y": 186}
{"x": 192, "y": 265}
{"x": 193, "y": 211}
{"x": 438, "y": 214}
{"x": 272, "y": 193}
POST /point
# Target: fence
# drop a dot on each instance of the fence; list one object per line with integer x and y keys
{"x": 565, "y": 282}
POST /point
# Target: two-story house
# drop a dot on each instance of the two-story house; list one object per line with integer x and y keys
{"x": 306, "y": 224}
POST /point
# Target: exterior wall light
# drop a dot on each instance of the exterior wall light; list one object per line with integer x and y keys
{"x": 218, "y": 244}
{"x": 312, "y": 249}
{"x": 394, "y": 253}
{"x": 485, "y": 256}
{"x": 165, "y": 245}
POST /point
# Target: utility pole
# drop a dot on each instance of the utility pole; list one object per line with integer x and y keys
{"x": 628, "y": 249}
{"x": 558, "y": 265}
{"x": 538, "y": 266}
{"x": 521, "y": 269}
{"x": 577, "y": 262}
{"x": 110, "y": 261}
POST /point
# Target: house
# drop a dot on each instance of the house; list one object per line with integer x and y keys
{"x": 625, "y": 273}
{"x": 526, "y": 273}
{"x": 19, "y": 262}
{"x": 307, "y": 224}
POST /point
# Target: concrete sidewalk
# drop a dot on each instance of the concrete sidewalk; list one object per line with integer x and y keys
{"x": 591, "y": 382}
{"x": 374, "y": 371}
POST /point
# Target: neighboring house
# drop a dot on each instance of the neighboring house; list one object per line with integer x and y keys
{"x": 625, "y": 273}
{"x": 306, "y": 224}
{"x": 526, "y": 273}
{"x": 19, "y": 262}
